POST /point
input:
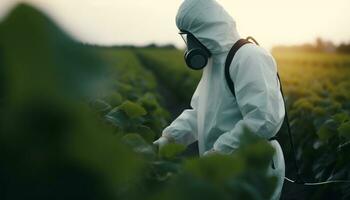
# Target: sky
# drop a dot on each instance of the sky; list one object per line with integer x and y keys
{"x": 139, "y": 22}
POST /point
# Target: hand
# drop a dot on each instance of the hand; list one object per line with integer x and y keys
{"x": 161, "y": 142}
{"x": 210, "y": 152}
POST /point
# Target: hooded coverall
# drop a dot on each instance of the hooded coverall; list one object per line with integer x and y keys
{"x": 217, "y": 118}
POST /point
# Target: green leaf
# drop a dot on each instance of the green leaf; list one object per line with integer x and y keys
{"x": 165, "y": 169}
{"x": 217, "y": 168}
{"x": 115, "y": 99}
{"x": 149, "y": 101}
{"x": 117, "y": 118}
{"x": 133, "y": 110}
{"x": 324, "y": 133}
{"x": 319, "y": 111}
{"x": 344, "y": 130}
{"x": 100, "y": 105}
{"x": 146, "y": 133}
{"x": 170, "y": 151}
{"x": 327, "y": 130}
{"x": 139, "y": 145}
{"x": 303, "y": 104}
{"x": 341, "y": 117}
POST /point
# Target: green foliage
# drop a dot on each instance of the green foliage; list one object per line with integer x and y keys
{"x": 317, "y": 88}
{"x": 226, "y": 176}
{"x": 327, "y": 129}
{"x": 132, "y": 110}
{"x": 52, "y": 144}
{"x": 344, "y": 130}
{"x": 171, "y": 151}
{"x": 169, "y": 66}
{"x": 115, "y": 99}
{"x": 139, "y": 145}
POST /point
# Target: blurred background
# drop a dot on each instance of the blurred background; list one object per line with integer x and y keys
{"x": 85, "y": 89}
{"x": 273, "y": 22}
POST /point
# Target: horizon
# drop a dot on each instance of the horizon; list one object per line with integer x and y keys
{"x": 105, "y": 27}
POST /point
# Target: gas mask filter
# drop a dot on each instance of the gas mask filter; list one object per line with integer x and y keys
{"x": 196, "y": 55}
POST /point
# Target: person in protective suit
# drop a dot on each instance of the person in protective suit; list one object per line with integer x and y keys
{"x": 217, "y": 118}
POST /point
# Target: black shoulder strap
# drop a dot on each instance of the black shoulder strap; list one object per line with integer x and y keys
{"x": 229, "y": 60}
{"x": 230, "y": 83}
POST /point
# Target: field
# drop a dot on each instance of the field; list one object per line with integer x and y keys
{"x": 78, "y": 121}
{"x": 317, "y": 88}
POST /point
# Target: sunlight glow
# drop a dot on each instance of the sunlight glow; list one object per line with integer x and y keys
{"x": 144, "y": 21}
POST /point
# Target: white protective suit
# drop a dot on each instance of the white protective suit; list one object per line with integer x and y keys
{"x": 217, "y": 118}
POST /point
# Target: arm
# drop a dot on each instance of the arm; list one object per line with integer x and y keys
{"x": 183, "y": 129}
{"x": 258, "y": 97}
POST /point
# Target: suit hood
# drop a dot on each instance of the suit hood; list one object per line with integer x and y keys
{"x": 209, "y": 22}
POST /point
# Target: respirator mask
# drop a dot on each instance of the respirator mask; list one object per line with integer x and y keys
{"x": 196, "y": 55}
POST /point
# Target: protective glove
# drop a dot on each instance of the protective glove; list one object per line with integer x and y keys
{"x": 161, "y": 142}
{"x": 210, "y": 152}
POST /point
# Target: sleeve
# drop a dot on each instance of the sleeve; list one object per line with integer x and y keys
{"x": 258, "y": 97}
{"x": 183, "y": 130}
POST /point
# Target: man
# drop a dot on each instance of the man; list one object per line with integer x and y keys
{"x": 218, "y": 118}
